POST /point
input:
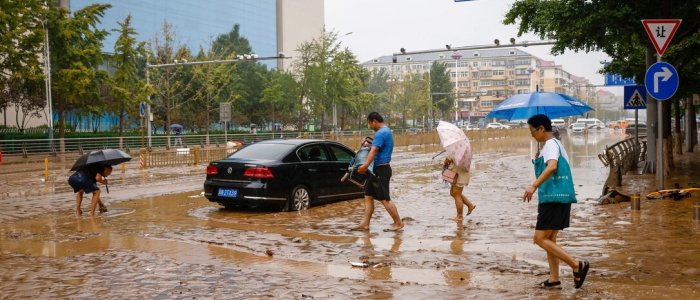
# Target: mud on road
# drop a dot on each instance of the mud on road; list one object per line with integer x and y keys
{"x": 162, "y": 239}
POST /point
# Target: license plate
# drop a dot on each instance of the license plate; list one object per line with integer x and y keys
{"x": 232, "y": 193}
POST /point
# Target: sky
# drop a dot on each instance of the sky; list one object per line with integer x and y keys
{"x": 382, "y": 27}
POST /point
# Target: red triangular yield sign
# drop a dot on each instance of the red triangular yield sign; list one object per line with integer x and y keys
{"x": 661, "y": 32}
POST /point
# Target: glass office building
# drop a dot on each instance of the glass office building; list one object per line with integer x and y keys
{"x": 196, "y": 22}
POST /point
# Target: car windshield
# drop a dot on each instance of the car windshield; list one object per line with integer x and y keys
{"x": 578, "y": 125}
{"x": 262, "y": 151}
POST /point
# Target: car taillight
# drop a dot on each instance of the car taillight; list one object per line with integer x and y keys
{"x": 258, "y": 173}
{"x": 212, "y": 170}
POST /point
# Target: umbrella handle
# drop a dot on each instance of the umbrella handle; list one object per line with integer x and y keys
{"x": 107, "y": 188}
{"x": 436, "y": 155}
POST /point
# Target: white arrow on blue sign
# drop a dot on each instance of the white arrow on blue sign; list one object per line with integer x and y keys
{"x": 142, "y": 109}
{"x": 661, "y": 80}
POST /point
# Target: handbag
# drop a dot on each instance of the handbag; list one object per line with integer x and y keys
{"x": 559, "y": 187}
{"x": 449, "y": 176}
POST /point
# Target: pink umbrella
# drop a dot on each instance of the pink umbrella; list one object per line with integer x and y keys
{"x": 456, "y": 144}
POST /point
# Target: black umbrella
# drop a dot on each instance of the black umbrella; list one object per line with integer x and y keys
{"x": 104, "y": 157}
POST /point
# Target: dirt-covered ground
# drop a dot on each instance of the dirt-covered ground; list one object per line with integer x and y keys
{"x": 162, "y": 239}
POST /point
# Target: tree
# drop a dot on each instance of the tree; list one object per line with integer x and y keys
{"x": 22, "y": 94}
{"x": 326, "y": 74}
{"x": 615, "y": 28}
{"x": 128, "y": 89}
{"x": 21, "y": 45}
{"x": 441, "y": 89}
{"x": 211, "y": 84}
{"x": 169, "y": 84}
{"x": 281, "y": 93}
{"x": 76, "y": 51}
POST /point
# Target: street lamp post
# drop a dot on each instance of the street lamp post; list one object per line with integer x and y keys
{"x": 47, "y": 69}
{"x": 456, "y": 56}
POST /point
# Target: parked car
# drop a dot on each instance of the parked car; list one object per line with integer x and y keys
{"x": 560, "y": 128}
{"x": 558, "y": 122}
{"x": 288, "y": 174}
{"x": 579, "y": 128}
{"x": 592, "y": 123}
{"x": 495, "y": 126}
{"x": 471, "y": 127}
{"x": 621, "y": 124}
{"x": 630, "y": 130}
{"x": 412, "y": 131}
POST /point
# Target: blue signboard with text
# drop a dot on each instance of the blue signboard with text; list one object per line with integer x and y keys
{"x": 616, "y": 79}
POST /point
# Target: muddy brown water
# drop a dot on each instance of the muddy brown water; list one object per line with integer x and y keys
{"x": 162, "y": 239}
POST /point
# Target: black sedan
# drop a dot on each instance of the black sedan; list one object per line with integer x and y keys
{"x": 290, "y": 174}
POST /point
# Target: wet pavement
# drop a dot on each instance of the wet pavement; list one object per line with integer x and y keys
{"x": 162, "y": 239}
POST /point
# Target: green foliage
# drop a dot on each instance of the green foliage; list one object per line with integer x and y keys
{"x": 76, "y": 51}
{"x": 441, "y": 89}
{"x": 127, "y": 87}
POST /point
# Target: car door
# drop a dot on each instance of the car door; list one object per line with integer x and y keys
{"x": 343, "y": 157}
{"x": 318, "y": 163}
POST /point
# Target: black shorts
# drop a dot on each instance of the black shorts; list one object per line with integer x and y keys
{"x": 378, "y": 187}
{"x": 553, "y": 216}
{"x": 79, "y": 182}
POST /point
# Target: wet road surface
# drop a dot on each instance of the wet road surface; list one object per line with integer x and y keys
{"x": 156, "y": 243}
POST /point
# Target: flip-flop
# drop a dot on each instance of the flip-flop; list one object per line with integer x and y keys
{"x": 583, "y": 267}
{"x": 393, "y": 229}
{"x": 358, "y": 228}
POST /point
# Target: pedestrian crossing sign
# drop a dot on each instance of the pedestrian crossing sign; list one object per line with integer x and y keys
{"x": 635, "y": 97}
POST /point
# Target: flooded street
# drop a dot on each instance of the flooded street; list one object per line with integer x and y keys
{"x": 161, "y": 239}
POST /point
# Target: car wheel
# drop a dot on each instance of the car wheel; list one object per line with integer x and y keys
{"x": 300, "y": 199}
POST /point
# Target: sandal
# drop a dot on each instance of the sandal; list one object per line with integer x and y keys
{"x": 550, "y": 285}
{"x": 583, "y": 267}
{"x": 103, "y": 209}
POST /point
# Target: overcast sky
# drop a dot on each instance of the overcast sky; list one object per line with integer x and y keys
{"x": 382, "y": 27}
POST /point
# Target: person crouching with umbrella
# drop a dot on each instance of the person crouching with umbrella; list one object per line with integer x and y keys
{"x": 85, "y": 181}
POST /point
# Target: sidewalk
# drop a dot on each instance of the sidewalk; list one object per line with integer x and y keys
{"x": 686, "y": 169}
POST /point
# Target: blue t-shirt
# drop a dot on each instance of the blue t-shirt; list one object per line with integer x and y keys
{"x": 385, "y": 141}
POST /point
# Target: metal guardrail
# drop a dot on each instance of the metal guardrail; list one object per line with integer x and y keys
{"x": 622, "y": 157}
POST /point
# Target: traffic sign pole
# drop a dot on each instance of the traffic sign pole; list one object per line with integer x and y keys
{"x": 660, "y": 139}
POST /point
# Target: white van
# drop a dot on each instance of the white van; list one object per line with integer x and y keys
{"x": 560, "y": 123}
{"x": 592, "y": 123}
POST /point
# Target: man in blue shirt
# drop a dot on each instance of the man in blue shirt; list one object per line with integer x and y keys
{"x": 378, "y": 187}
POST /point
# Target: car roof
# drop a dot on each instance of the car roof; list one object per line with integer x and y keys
{"x": 292, "y": 141}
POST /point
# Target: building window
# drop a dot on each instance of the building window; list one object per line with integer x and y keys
{"x": 476, "y": 54}
{"x": 453, "y": 74}
{"x": 486, "y": 73}
{"x": 499, "y": 63}
{"x": 522, "y": 82}
{"x": 450, "y": 65}
{"x": 485, "y": 83}
{"x": 475, "y": 64}
{"x": 486, "y": 63}
{"x": 475, "y": 84}
{"x": 522, "y": 62}
{"x": 499, "y": 72}
{"x": 523, "y": 91}
{"x": 498, "y": 82}
{"x": 464, "y": 84}
{"x": 522, "y": 72}
{"x": 463, "y": 64}
{"x": 486, "y": 103}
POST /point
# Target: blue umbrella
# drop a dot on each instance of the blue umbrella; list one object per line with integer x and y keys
{"x": 553, "y": 105}
{"x": 175, "y": 126}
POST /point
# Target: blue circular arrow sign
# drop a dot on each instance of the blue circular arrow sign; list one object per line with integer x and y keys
{"x": 661, "y": 80}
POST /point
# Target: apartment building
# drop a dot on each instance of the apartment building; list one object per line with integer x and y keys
{"x": 485, "y": 78}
